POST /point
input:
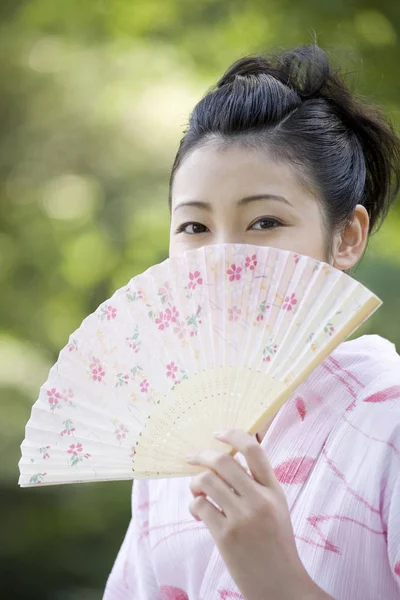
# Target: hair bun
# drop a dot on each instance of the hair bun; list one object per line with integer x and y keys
{"x": 305, "y": 70}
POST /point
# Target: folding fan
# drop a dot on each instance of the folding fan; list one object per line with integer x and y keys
{"x": 219, "y": 337}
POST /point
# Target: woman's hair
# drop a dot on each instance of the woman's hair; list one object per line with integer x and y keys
{"x": 299, "y": 110}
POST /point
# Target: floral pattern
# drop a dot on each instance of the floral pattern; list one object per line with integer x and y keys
{"x": 269, "y": 351}
{"x": 67, "y": 396}
{"x": 77, "y": 454}
{"x": 68, "y": 428}
{"x": 37, "y": 478}
{"x": 44, "y": 452}
{"x": 73, "y": 345}
{"x": 195, "y": 279}
{"x": 234, "y": 313}
{"x": 166, "y": 317}
{"x": 108, "y": 312}
{"x": 234, "y": 273}
{"x": 134, "y": 341}
{"x": 220, "y": 290}
{"x": 262, "y": 310}
{"x": 193, "y": 322}
{"x": 122, "y": 379}
{"x": 135, "y": 295}
{"x": 144, "y": 386}
{"x": 290, "y": 302}
{"x": 121, "y": 431}
{"x": 251, "y": 262}
{"x": 97, "y": 372}
{"x": 53, "y": 398}
{"x": 164, "y": 293}
{"x": 329, "y": 328}
{"x": 172, "y": 370}
{"x": 175, "y": 373}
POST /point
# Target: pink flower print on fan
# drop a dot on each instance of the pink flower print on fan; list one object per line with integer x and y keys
{"x": 74, "y": 449}
{"x": 178, "y": 381}
{"x": 172, "y": 314}
{"x": 171, "y": 370}
{"x": 170, "y": 592}
{"x": 134, "y": 341}
{"x": 121, "y": 431}
{"x": 44, "y": 452}
{"x": 195, "y": 279}
{"x": 122, "y": 379}
{"x": 135, "y": 295}
{"x": 136, "y": 370}
{"x": 251, "y": 262}
{"x": 180, "y": 329}
{"x": 234, "y": 313}
{"x": 329, "y": 329}
{"x": 67, "y": 396}
{"x": 290, "y": 302}
{"x": 194, "y": 321}
{"x": 73, "y": 345}
{"x": 296, "y": 258}
{"x": 96, "y": 370}
{"x": 54, "y": 398}
{"x": 234, "y": 273}
{"x": 262, "y": 309}
{"x": 133, "y": 452}
{"x": 164, "y": 293}
{"x": 68, "y": 428}
{"x": 37, "y": 478}
{"x": 144, "y": 386}
{"x": 108, "y": 312}
{"x": 269, "y": 352}
{"x": 77, "y": 454}
{"x": 163, "y": 319}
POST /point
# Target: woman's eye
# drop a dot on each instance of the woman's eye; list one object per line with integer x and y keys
{"x": 191, "y": 228}
{"x": 266, "y": 223}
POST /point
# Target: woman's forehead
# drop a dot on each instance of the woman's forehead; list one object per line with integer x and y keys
{"x": 234, "y": 171}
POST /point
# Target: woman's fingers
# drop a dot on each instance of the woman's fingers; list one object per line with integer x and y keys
{"x": 256, "y": 458}
{"x": 203, "y": 510}
{"x": 226, "y": 468}
{"x": 212, "y": 483}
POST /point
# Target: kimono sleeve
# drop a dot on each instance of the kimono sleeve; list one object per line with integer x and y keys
{"x": 394, "y": 533}
{"x": 132, "y": 576}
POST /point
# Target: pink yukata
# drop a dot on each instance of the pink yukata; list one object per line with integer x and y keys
{"x": 335, "y": 448}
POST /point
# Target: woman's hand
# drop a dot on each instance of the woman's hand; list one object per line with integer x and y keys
{"x": 252, "y": 529}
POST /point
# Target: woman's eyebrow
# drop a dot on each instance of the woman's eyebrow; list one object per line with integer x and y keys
{"x": 242, "y": 202}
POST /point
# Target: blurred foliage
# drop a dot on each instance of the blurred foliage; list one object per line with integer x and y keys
{"x": 94, "y": 96}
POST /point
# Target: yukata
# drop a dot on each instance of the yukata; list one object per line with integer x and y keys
{"x": 335, "y": 448}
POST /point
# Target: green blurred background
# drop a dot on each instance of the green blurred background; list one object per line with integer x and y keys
{"x": 94, "y": 96}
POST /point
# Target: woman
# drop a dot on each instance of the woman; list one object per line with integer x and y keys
{"x": 280, "y": 154}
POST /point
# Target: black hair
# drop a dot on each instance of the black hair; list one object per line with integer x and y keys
{"x": 301, "y": 110}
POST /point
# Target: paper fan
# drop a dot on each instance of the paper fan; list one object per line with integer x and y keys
{"x": 217, "y": 338}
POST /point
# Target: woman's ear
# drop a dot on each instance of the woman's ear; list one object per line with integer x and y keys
{"x": 351, "y": 242}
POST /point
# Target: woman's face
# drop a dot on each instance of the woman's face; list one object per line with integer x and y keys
{"x": 235, "y": 195}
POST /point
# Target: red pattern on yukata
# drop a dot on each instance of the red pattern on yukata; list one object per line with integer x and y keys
{"x": 170, "y": 592}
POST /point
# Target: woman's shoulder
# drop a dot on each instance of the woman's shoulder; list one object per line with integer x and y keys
{"x": 370, "y": 360}
{"x": 369, "y": 349}
{"x": 373, "y": 362}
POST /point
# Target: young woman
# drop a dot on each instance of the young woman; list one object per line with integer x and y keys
{"x": 280, "y": 154}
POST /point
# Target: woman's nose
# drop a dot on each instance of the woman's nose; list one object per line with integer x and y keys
{"x": 229, "y": 237}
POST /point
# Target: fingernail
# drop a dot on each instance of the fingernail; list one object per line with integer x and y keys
{"x": 220, "y": 433}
